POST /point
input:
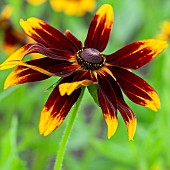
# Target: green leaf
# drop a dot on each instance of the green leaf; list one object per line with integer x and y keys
{"x": 9, "y": 158}
{"x": 53, "y": 85}
{"x": 93, "y": 91}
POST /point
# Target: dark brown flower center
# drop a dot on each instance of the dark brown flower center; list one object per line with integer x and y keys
{"x": 90, "y": 59}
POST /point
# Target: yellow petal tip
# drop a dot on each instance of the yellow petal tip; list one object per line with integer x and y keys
{"x": 131, "y": 127}
{"x": 112, "y": 124}
{"x": 154, "y": 104}
{"x": 106, "y": 9}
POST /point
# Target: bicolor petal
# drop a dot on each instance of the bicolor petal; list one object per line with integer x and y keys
{"x": 108, "y": 103}
{"x": 137, "y": 54}
{"x": 39, "y": 69}
{"x": 126, "y": 112}
{"x": 56, "y": 110}
{"x": 13, "y": 60}
{"x": 100, "y": 28}
{"x": 138, "y": 90}
{"x": 45, "y": 34}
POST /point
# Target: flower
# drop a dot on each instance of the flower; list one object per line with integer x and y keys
{"x": 69, "y": 7}
{"x": 85, "y": 65}
{"x": 12, "y": 37}
{"x": 165, "y": 31}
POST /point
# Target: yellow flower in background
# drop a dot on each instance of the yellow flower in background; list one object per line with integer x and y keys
{"x": 73, "y": 7}
{"x": 69, "y": 7}
{"x": 36, "y": 2}
{"x": 165, "y": 31}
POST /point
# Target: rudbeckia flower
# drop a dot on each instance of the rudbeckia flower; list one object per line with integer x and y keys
{"x": 12, "y": 38}
{"x": 69, "y": 7}
{"x": 85, "y": 65}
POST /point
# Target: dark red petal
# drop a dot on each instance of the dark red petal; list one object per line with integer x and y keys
{"x": 108, "y": 103}
{"x": 63, "y": 69}
{"x": 45, "y": 34}
{"x": 56, "y": 109}
{"x": 72, "y": 38}
{"x": 24, "y": 74}
{"x": 100, "y": 28}
{"x": 84, "y": 74}
{"x": 52, "y": 52}
{"x": 138, "y": 90}
{"x": 126, "y": 112}
{"x": 137, "y": 54}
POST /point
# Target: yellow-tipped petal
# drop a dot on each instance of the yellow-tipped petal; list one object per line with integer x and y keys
{"x": 112, "y": 123}
{"x": 100, "y": 28}
{"x": 14, "y": 79}
{"x": 153, "y": 104}
{"x": 30, "y": 24}
{"x": 11, "y": 80}
{"x": 48, "y": 123}
{"x": 131, "y": 127}
{"x": 102, "y": 11}
{"x": 13, "y": 60}
{"x": 156, "y": 46}
{"x": 68, "y": 88}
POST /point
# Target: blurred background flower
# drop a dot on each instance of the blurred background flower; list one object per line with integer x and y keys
{"x": 165, "y": 31}
{"x": 69, "y": 7}
{"x": 12, "y": 38}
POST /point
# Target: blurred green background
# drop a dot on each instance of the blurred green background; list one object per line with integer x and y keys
{"x": 21, "y": 145}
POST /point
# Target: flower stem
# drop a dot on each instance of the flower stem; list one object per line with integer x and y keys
{"x": 64, "y": 140}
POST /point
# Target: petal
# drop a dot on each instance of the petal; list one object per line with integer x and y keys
{"x": 55, "y": 53}
{"x": 69, "y": 88}
{"x": 138, "y": 90}
{"x": 56, "y": 109}
{"x": 100, "y": 28}
{"x": 36, "y": 70}
{"x": 23, "y": 74}
{"x": 126, "y": 112}
{"x": 108, "y": 103}
{"x": 74, "y": 40}
{"x": 45, "y": 34}
{"x": 137, "y": 54}
{"x": 81, "y": 78}
{"x": 12, "y": 61}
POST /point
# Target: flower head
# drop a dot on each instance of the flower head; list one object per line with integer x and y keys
{"x": 86, "y": 65}
{"x": 69, "y": 7}
{"x": 12, "y": 37}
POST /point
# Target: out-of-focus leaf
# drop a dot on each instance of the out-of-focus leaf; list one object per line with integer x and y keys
{"x": 9, "y": 159}
{"x": 93, "y": 91}
{"x": 7, "y": 92}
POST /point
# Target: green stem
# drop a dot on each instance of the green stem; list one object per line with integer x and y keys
{"x": 64, "y": 140}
